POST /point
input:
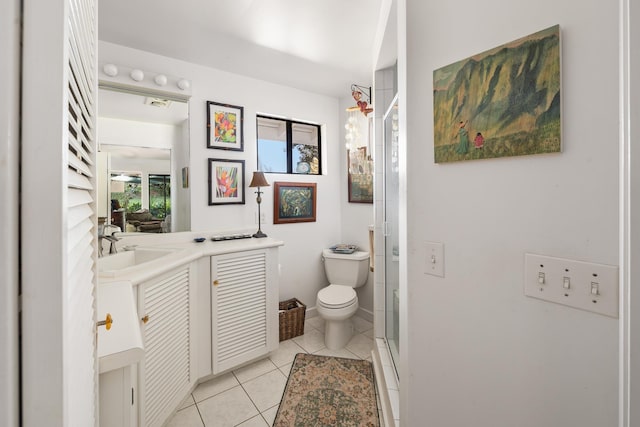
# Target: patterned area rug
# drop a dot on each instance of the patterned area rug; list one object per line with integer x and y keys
{"x": 325, "y": 391}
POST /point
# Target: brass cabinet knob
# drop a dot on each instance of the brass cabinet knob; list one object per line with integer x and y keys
{"x": 107, "y": 322}
{"x": 145, "y": 319}
{"x": 216, "y": 282}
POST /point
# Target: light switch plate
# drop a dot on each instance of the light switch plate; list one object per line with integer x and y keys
{"x": 434, "y": 261}
{"x": 572, "y": 283}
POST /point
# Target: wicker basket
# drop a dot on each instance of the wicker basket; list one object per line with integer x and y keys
{"x": 291, "y": 315}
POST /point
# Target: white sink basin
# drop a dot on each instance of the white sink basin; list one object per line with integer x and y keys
{"x": 128, "y": 261}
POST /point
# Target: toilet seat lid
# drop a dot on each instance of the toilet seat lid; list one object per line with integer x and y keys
{"x": 337, "y": 296}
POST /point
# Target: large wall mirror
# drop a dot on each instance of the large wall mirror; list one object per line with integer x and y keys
{"x": 143, "y": 162}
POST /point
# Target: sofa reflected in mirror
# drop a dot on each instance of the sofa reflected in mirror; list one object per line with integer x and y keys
{"x": 144, "y": 222}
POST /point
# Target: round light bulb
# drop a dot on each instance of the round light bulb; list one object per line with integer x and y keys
{"x": 184, "y": 84}
{"x": 110, "y": 70}
{"x": 137, "y": 75}
{"x": 160, "y": 80}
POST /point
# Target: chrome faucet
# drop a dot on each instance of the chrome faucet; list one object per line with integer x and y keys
{"x": 111, "y": 238}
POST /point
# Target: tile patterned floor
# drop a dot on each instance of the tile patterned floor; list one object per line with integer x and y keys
{"x": 249, "y": 396}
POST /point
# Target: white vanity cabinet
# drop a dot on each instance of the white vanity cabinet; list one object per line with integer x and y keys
{"x": 118, "y": 398}
{"x": 244, "y": 306}
{"x": 165, "y": 375}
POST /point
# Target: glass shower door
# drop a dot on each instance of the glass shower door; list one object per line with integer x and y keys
{"x": 391, "y": 229}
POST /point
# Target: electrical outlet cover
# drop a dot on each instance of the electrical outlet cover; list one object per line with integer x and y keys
{"x": 583, "y": 285}
{"x": 434, "y": 261}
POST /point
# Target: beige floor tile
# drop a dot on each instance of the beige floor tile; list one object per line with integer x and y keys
{"x": 256, "y": 421}
{"x": 214, "y": 386}
{"x": 343, "y": 352}
{"x": 285, "y": 353}
{"x": 227, "y": 409}
{"x": 369, "y": 333}
{"x": 361, "y": 346}
{"x": 270, "y": 414}
{"x": 254, "y": 370}
{"x": 188, "y": 401}
{"x": 188, "y": 417}
{"x": 361, "y": 324}
{"x": 311, "y": 341}
{"x": 286, "y": 369}
{"x": 266, "y": 390}
{"x": 316, "y": 323}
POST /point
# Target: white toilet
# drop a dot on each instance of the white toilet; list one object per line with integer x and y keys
{"x": 337, "y": 302}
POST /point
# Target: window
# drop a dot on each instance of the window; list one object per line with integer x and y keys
{"x": 126, "y": 192}
{"x": 286, "y": 146}
{"x": 160, "y": 196}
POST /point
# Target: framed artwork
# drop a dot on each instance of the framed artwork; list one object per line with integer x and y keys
{"x": 499, "y": 103}
{"x": 185, "y": 177}
{"x": 360, "y": 176}
{"x": 225, "y": 126}
{"x": 294, "y": 202}
{"x": 226, "y": 182}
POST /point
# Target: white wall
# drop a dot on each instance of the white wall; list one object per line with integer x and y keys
{"x": 478, "y": 351}
{"x": 301, "y": 270}
{"x": 355, "y": 217}
{"x": 10, "y": 30}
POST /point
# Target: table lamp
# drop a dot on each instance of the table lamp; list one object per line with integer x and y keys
{"x": 258, "y": 180}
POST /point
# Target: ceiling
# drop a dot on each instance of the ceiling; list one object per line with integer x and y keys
{"x": 321, "y": 46}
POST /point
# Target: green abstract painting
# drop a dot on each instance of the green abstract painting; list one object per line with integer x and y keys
{"x": 502, "y": 102}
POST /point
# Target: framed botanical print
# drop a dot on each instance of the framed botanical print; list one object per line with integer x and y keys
{"x": 226, "y": 182}
{"x": 225, "y": 126}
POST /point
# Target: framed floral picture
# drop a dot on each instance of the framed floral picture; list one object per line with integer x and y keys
{"x": 225, "y": 126}
{"x": 294, "y": 202}
{"x": 226, "y": 182}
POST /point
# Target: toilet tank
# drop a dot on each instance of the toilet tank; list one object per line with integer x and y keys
{"x": 346, "y": 269}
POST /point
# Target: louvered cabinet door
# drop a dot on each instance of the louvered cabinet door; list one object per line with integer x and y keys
{"x": 244, "y": 307}
{"x": 165, "y": 374}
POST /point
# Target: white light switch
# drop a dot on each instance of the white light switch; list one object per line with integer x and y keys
{"x": 584, "y": 285}
{"x": 434, "y": 262}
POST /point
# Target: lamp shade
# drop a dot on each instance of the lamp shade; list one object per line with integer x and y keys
{"x": 258, "y": 180}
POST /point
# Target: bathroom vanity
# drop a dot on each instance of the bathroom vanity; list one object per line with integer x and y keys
{"x": 201, "y": 308}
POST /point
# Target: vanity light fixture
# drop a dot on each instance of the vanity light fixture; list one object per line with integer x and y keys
{"x": 258, "y": 180}
{"x": 117, "y": 76}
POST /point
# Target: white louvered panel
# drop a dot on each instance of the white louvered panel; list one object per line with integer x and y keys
{"x": 166, "y": 372}
{"x": 78, "y": 197}
{"x": 240, "y": 308}
{"x": 78, "y": 214}
{"x": 81, "y": 215}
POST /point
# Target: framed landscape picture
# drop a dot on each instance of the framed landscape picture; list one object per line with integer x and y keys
{"x": 502, "y": 102}
{"x": 225, "y": 126}
{"x": 294, "y": 202}
{"x": 226, "y": 182}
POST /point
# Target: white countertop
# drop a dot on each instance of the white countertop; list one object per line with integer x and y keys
{"x": 186, "y": 251}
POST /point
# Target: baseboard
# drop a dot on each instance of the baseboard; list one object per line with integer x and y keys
{"x": 365, "y": 314}
{"x": 310, "y": 312}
